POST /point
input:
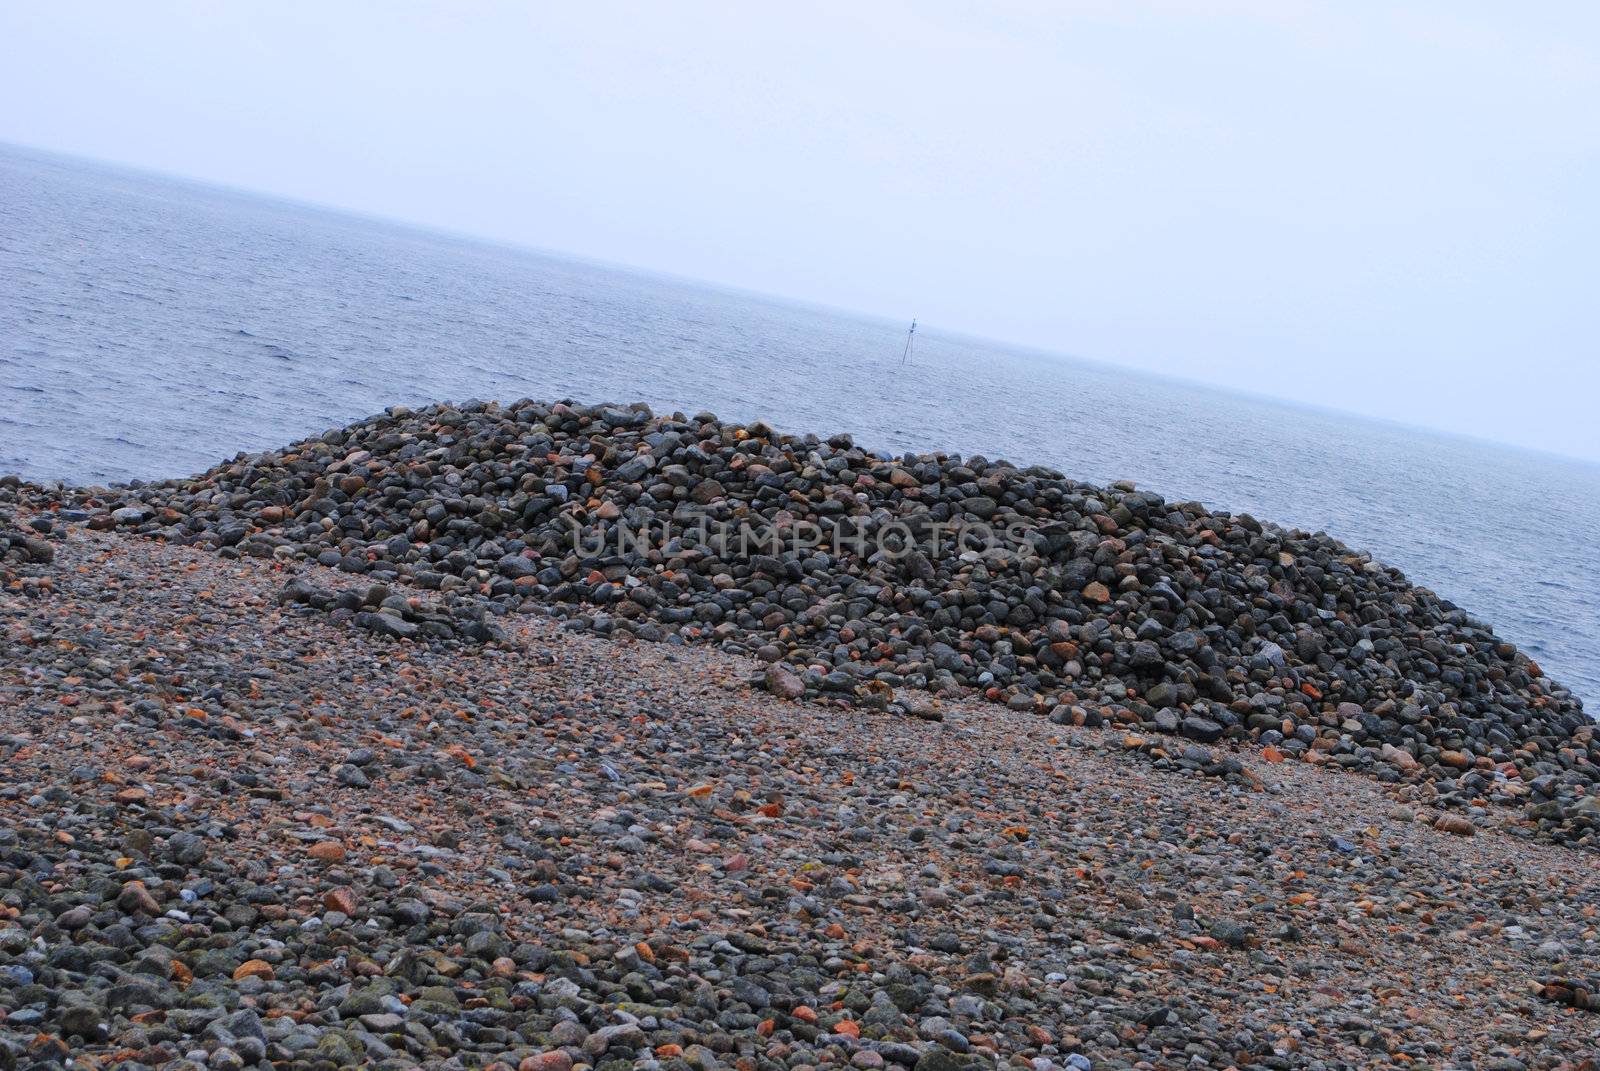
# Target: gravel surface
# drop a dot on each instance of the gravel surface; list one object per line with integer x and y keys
{"x": 235, "y": 829}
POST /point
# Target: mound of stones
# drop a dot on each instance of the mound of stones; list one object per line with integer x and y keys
{"x": 857, "y": 574}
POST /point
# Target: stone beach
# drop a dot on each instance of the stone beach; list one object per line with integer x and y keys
{"x": 358, "y": 753}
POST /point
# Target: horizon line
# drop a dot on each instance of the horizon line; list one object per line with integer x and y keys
{"x": 439, "y": 231}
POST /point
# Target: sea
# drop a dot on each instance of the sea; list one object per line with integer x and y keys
{"x": 151, "y": 327}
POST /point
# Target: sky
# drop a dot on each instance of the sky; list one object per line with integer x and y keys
{"x": 1383, "y": 208}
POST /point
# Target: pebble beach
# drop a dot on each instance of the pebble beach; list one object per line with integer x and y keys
{"x": 337, "y": 756}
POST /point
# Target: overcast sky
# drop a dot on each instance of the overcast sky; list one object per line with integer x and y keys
{"x": 1385, "y": 208}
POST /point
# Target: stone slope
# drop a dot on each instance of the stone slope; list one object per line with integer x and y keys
{"x": 235, "y": 835}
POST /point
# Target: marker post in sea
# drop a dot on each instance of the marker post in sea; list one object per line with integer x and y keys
{"x": 906, "y": 356}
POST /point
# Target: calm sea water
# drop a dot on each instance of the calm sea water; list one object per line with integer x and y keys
{"x": 151, "y": 327}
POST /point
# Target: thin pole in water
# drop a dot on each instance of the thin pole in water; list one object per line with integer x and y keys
{"x": 906, "y": 356}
